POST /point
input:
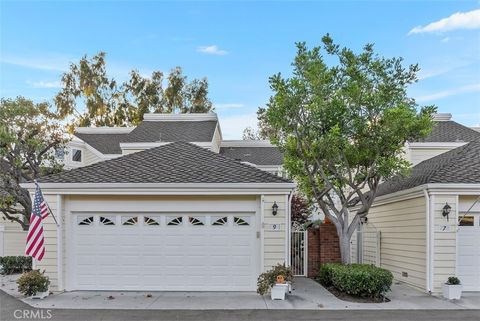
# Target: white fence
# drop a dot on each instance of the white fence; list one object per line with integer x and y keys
{"x": 365, "y": 246}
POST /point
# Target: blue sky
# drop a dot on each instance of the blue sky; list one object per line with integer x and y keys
{"x": 238, "y": 45}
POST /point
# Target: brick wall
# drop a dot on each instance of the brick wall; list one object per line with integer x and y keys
{"x": 323, "y": 247}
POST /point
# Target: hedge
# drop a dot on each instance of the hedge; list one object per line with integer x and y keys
{"x": 15, "y": 264}
{"x": 362, "y": 280}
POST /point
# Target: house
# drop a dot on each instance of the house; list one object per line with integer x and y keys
{"x": 418, "y": 241}
{"x": 149, "y": 211}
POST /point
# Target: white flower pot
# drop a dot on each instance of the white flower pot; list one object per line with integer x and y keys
{"x": 452, "y": 291}
{"x": 278, "y": 291}
{"x": 40, "y": 295}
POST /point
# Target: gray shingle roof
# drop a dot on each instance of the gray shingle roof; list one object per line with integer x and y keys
{"x": 450, "y": 131}
{"x": 173, "y": 131}
{"x": 178, "y": 162}
{"x": 254, "y": 155}
{"x": 104, "y": 143}
{"x": 460, "y": 165}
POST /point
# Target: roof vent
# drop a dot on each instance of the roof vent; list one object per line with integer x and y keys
{"x": 442, "y": 117}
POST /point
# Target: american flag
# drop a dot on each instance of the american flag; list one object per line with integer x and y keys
{"x": 35, "y": 239}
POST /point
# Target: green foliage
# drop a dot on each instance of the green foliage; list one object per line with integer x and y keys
{"x": 30, "y": 283}
{"x": 15, "y": 264}
{"x": 267, "y": 279}
{"x": 108, "y": 103}
{"x": 453, "y": 280}
{"x": 29, "y": 135}
{"x": 343, "y": 126}
{"x": 301, "y": 209}
{"x": 325, "y": 273}
{"x": 362, "y": 280}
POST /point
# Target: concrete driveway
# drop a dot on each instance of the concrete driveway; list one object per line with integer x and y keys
{"x": 307, "y": 295}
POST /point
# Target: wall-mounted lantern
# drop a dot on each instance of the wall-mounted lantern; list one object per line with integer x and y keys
{"x": 446, "y": 210}
{"x": 274, "y": 208}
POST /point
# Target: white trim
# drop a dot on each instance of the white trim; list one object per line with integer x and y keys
{"x": 435, "y": 145}
{"x": 442, "y": 117}
{"x": 103, "y": 130}
{"x": 180, "y": 117}
{"x": 286, "y": 229}
{"x": 431, "y": 254}
{"x": 427, "y": 231}
{"x": 262, "y": 233}
{"x": 60, "y": 242}
{"x": 148, "y": 145}
{"x": 246, "y": 143}
{"x": 457, "y": 209}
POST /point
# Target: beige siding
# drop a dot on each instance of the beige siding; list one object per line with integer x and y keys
{"x": 444, "y": 244}
{"x": 13, "y": 238}
{"x": 90, "y": 158}
{"x": 402, "y": 226}
{"x": 274, "y": 242}
{"x": 49, "y": 262}
{"x": 418, "y": 155}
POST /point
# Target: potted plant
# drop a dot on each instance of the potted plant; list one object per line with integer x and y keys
{"x": 34, "y": 284}
{"x": 277, "y": 281}
{"x": 452, "y": 289}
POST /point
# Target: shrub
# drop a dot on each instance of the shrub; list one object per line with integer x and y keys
{"x": 325, "y": 273}
{"x": 15, "y": 264}
{"x": 362, "y": 280}
{"x": 30, "y": 283}
{"x": 453, "y": 280}
{"x": 267, "y": 279}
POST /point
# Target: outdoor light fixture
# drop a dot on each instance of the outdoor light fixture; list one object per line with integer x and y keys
{"x": 274, "y": 208}
{"x": 446, "y": 210}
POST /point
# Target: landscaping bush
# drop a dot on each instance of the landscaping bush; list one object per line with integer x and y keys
{"x": 361, "y": 280}
{"x": 325, "y": 273}
{"x": 33, "y": 282}
{"x": 15, "y": 264}
{"x": 267, "y": 279}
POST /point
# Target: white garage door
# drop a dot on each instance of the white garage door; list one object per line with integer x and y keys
{"x": 469, "y": 252}
{"x": 168, "y": 252}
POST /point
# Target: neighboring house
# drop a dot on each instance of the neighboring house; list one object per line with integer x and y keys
{"x": 176, "y": 217}
{"x": 418, "y": 243}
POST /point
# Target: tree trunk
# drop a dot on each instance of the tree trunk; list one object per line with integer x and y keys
{"x": 344, "y": 241}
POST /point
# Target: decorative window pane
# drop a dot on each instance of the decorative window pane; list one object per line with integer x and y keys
{"x": 241, "y": 221}
{"x": 466, "y": 221}
{"x": 81, "y": 220}
{"x": 219, "y": 221}
{"x": 174, "y": 220}
{"x": 196, "y": 220}
{"x": 129, "y": 220}
{"x": 150, "y": 221}
{"x": 107, "y": 220}
{"x": 76, "y": 155}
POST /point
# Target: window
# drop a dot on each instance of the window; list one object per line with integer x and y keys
{"x": 60, "y": 153}
{"x": 107, "y": 220}
{"x": 76, "y": 155}
{"x": 150, "y": 221}
{"x": 241, "y": 221}
{"x": 466, "y": 221}
{"x": 198, "y": 221}
{"x": 219, "y": 221}
{"x": 82, "y": 220}
{"x": 172, "y": 221}
{"x": 129, "y": 220}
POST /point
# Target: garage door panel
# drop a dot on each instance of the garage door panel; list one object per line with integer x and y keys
{"x": 160, "y": 257}
{"x": 468, "y": 255}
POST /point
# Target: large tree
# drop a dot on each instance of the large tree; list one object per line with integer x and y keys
{"x": 29, "y": 137}
{"x": 92, "y": 98}
{"x": 343, "y": 127}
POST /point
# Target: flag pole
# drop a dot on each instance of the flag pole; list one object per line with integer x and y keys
{"x": 48, "y": 206}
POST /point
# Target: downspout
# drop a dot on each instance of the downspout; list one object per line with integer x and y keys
{"x": 429, "y": 236}
{"x": 289, "y": 230}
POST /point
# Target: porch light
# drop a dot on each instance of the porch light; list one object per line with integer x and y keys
{"x": 274, "y": 208}
{"x": 446, "y": 210}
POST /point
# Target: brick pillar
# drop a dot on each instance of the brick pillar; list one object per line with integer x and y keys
{"x": 329, "y": 244}
{"x": 313, "y": 252}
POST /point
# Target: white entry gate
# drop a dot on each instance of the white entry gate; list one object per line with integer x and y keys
{"x": 299, "y": 244}
{"x": 365, "y": 246}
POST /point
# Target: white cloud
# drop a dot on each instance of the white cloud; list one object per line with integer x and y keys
{"x": 212, "y": 50}
{"x": 228, "y": 106}
{"x": 233, "y": 126}
{"x": 459, "y": 20}
{"x": 446, "y": 39}
{"x": 47, "y": 63}
{"x": 45, "y": 84}
{"x": 449, "y": 92}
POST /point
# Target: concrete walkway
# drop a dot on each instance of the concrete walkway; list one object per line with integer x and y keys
{"x": 307, "y": 295}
